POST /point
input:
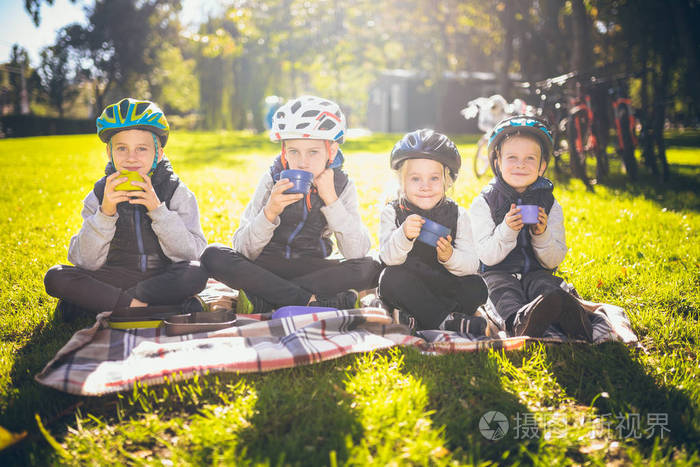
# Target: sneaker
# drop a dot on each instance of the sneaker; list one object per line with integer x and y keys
{"x": 345, "y": 300}
{"x": 463, "y": 324}
{"x": 194, "y": 304}
{"x": 574, "y": 320}
{"x": 249, "y": 303}
{"x": 534, "y": 318}
{"x": 401, "y": 317}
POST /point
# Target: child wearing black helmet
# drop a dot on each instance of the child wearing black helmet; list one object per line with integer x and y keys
{"x": 518, "y": 256}
{"x": 430, "y": 275}
{"x": 141, "y": 236}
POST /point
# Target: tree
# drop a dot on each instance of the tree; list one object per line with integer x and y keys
{"x": 54, "y": 71}
{"x": 18, "y": 67}
{"x": 120, "y": 44}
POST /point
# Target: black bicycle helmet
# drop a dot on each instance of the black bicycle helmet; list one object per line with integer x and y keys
{"x": 427, "y": 144}
{"x": 522, "y": 124}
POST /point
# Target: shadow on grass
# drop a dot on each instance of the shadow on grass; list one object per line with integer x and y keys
{"x": 587, "y": 371}
{"x": 29, "y": 397}
{"x": 301, "y": 423}
{"x": 462, "y": 388}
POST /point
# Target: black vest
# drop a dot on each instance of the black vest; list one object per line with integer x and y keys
{"x": 499, "y": 196}
{"x": 300, "y": 232}
{"x": 135, "y": 245}
{"x": 446, "y": 213}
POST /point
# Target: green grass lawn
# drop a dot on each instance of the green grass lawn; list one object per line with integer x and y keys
{"x": 635, "y": 246}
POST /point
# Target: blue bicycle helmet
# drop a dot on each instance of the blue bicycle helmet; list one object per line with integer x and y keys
{"x": 521, "y": 124}
{"x": 427, "y": 144}
{"x": 132, "y": 114}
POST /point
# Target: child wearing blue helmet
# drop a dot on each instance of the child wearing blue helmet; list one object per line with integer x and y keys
{"x": 141, "y": 234}
{"x": 518, "y": 259}
{"x": 431, "y": 278}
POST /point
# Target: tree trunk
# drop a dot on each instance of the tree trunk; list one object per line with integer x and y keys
{"x": 508, "y": 22}
{"x": 580, "y": 28}
{"x": 660, "y": 114}
{"x": 645, "y": 115}
{"x": 688, "y": 41}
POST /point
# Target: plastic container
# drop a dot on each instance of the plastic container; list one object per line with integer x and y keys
{"x": 295, "y": 310}
{"x": 529, "y": 213}
{"x": 431, "y": 232}
{"x": 131, "y": 176}
{"x": 300, "y": 178}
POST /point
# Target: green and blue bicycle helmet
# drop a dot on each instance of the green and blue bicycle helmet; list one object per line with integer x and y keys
{"x": 427, "y": 144}
{"x": 524, "y": 125}
{"x": 132, "y": 114}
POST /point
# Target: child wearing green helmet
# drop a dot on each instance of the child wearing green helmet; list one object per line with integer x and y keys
{"x": 425, "y": 241}
{"x": 519, "y": 255}
{"x": 141, "y": 236}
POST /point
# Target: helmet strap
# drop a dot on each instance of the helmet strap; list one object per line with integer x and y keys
{"x": 155, "y": 156}
{"x": 283, "y": 156}
{"x": 328, "y": 150}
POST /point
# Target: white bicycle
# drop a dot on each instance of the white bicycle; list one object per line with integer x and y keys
{"x": 490, "y": 111}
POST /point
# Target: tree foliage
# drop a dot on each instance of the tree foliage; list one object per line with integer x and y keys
{"x": 336, "y": 48}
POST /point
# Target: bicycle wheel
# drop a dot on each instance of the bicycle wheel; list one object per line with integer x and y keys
{"x": 577, "y": 153}
{"x": 481, "y": 158}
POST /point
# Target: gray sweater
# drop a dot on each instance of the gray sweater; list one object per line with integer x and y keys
{"x": 394, "y": 246}
{"x": 342, "y": 216}
{"x": 178, "y": 229}
{"x": 494, "y": 242}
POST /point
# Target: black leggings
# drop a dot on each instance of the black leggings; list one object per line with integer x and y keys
{"x": 113, "y": 287}
{"x": 508, "y": 294}
{"x": 429, "y": 294}
{"x": 280, "y": 281}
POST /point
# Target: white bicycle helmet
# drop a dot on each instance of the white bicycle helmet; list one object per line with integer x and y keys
{"x": 309, "y": 117}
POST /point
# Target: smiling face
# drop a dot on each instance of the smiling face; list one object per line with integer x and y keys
{"x": 423, "y": 182}
{"x": 134, "y": 150}
{"x": 309, "y": 154}
{"x": 520, "y": 162}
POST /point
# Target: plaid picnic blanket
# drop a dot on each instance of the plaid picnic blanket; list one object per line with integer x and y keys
{"x": 100, "y": 360}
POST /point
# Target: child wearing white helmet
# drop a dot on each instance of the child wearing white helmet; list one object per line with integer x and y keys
{"x": 518, "y": 255}
{"x": 425, "y": 241}
{"x": 282, "y": 247}
{"x": 141, "y": 236}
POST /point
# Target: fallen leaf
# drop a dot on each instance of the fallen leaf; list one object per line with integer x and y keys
{"x": 7, "y": 438}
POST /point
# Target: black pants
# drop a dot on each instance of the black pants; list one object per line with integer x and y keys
{"x": 508, "y": 294}
{"x": 430, "y": 294}
{"x": 113, "y": 287}
{"x": 281, "y": 281}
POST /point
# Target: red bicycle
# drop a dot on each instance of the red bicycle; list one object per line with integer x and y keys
{"x": 582, "y": 139}
{"x": 625, "y": 126}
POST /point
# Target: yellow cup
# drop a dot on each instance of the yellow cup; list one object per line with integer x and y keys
{"x": 131, "y": 176}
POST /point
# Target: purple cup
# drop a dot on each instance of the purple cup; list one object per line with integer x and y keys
{"x": 300, "y": 178}
{"x": 529, "y": 213}
{"x": 296, "y": 310}
{"x": 431, "y": 232}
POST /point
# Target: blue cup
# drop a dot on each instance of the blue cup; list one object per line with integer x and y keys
{"x": 431, "y": 231}
{"x": 300, "y": 178}
{"x": 529, "y": 213}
